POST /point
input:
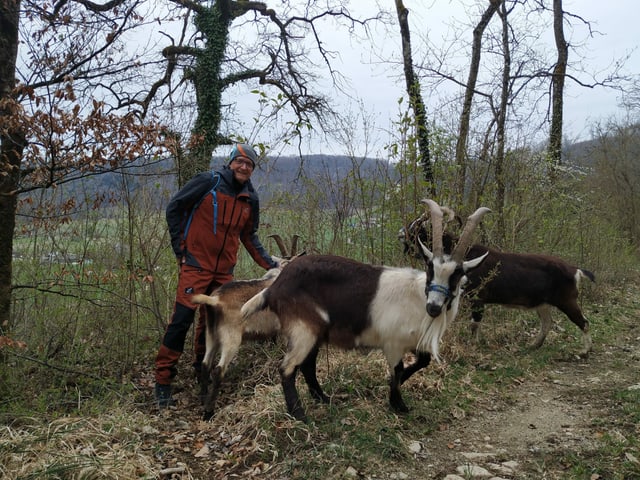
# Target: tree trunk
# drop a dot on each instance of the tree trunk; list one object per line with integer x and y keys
{"x": 415, "y": 97}
{"x": 501, "y": 120}
{"x": 12, "y": 141}
{"x": 213, "y": 23}
{"x": 557, "y": 90}
{"x": 465, "y": 117}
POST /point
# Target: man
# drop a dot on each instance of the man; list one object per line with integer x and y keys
{"x": 207, "y": 218}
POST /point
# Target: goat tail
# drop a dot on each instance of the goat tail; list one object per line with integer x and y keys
{"x": 201, "y": 299}
{"x": 254, "y": 304}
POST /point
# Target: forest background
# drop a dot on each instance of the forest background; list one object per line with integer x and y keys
{"x": 106, "y": 108}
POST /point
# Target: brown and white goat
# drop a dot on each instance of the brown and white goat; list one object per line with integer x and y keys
{"x": 226, "y": 329}
{"x": 326, "y": 298}
{"x": 518, "y": 280}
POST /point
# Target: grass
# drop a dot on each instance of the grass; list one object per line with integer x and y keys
{"x": 93, "y": 419}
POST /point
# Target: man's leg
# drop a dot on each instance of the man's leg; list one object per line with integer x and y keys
{"x": 191, "y": 280}
{"x": 170, "y": 352}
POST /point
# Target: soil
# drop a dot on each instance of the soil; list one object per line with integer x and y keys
{"x": 564, "y": 412}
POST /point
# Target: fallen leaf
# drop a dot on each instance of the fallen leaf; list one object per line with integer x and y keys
{"x": 631, "y": 458}
{"x": 203, "y": 452}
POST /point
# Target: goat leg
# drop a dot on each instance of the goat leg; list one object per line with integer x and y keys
{"x": 477, "y": 312}
{"x": 212, "y": 394}
{"x": 291, "y": 398}
{"x": 308, "y": 369}
{"x": 423, "y": 359}
{"x": 546, "y": 322}
{"x": 203, "y": 380}
{"x": 572, "y": 310}
{"x": 395, "y": 398}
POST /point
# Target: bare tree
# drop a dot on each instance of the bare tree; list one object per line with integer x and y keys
{"x": 631, "y": 98}
{"x": 415, "y": 96}
{"x": 557, "y": 85}
{"x": 505, "y": 95}
{"x": 55, "y": 126}
{"x": 274, "y": 53}
{"x": 617, "y": 176}
{"x": 12, "y": 144}
{"x": 470, "y": 88}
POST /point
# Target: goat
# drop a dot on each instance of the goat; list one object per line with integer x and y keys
{"x": 226, "y": 329}
{"x": 521, "y": 280}
{"x": 332, "y": 299}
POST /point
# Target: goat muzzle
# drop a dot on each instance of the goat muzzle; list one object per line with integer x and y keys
{"x": 434, "y": 309}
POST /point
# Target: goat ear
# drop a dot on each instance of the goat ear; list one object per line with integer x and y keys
{"x": 471, "y": 264}
{"x": 278, "y": 260}
{"x": 425, "y": 251}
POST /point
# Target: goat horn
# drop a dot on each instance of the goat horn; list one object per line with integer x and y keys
{"x": 467, "y": 234}
{"x": 436, "y": 225}
{"x": 280, "y": 243}
{"x": 294, "y": 244}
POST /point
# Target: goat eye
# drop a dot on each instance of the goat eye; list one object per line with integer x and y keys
{"x": 429, "y": 271}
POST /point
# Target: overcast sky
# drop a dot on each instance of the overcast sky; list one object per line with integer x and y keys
{"x": 375, "y": 78}
{"x": 379, "y": 85}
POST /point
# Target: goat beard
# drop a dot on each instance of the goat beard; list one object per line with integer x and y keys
{"x": 434, "y": 329}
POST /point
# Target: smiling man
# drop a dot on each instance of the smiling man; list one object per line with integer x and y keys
{"x": 207, "y": 218}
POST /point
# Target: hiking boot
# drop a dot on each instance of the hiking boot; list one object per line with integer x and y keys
{"x": 163, "y": 396}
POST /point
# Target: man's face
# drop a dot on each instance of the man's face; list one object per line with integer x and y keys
{"x": 242, "y": 169}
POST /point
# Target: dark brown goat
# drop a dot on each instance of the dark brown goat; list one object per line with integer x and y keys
{"x": 516, "y": 280}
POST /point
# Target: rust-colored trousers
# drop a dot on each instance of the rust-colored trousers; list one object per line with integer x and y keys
{"x": 191, "y": 280}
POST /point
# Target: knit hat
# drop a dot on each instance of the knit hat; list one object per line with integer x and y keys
{"x": 243, "y": 150}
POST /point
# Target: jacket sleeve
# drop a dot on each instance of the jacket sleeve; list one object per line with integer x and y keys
{"x": 252, "y": 242}
{"x": 180, "y": 206}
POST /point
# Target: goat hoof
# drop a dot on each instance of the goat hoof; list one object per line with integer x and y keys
{"x": 299, "y": 415}
{"x": 320, "y": 397}
{"x": 208, "y": 415}
{"x": 400, "y": 408}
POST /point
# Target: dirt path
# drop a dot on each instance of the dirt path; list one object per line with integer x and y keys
{"x": 564, "y": 411}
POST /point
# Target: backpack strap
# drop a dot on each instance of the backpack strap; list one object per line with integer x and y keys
{"x": 215, "y": 176}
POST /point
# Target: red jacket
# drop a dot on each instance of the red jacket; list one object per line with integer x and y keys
{"x": 209, "y": 217}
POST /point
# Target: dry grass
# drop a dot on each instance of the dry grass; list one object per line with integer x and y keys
{"x": 114, "y": 445}
{"x": 251, "y": 436}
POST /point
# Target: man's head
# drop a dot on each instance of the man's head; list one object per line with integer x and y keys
{"x": 242, "y": 160}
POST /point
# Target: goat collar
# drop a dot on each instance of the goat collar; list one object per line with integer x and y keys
{"x": 440, "y": 289}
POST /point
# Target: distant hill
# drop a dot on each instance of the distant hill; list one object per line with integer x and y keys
{"x": 286, "y": 173}
{"x": 276, "y": 174}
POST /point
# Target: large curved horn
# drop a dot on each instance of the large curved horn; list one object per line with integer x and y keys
{"x": 281, "y": 245}
{"x": 436, "y": 225}
{"x": 294, "y": 244}
{"x": 464, "y": 242}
